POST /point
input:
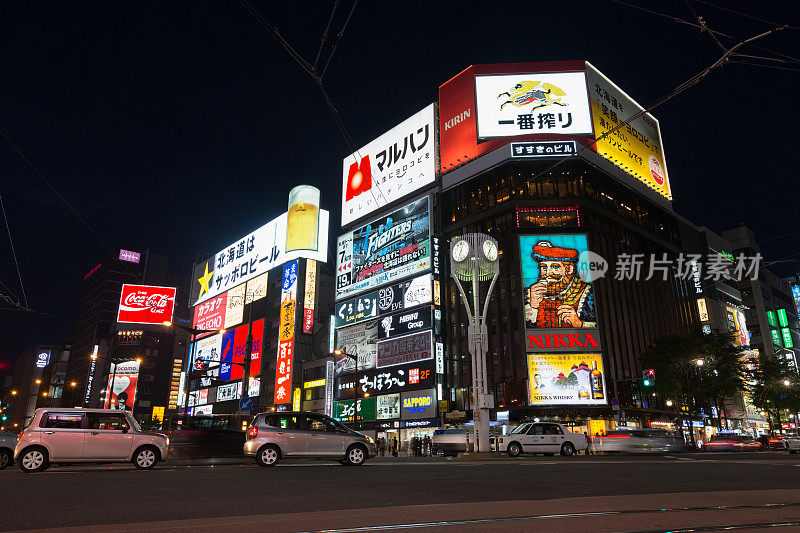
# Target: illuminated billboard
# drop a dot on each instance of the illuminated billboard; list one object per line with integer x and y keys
{"x": 309, "y": 295}
{"x": 636, "y": 147}
{"x": 532, "y": 103}
{"x": 211, "y": 313}
{"x": 796, "y": 295}
{"x": 121, "y": 391}
{"x": 415, "y": 405}
{"x": 146, "y": 304}
{"x": 235, "y": 310}
{"x": 406, "y": 294}
{"x": 406, "y": 349}
{"x": 359, "y": 340}
{"x": 387, "y": 249}
{"x": 385, "y": 380}
{"x": 283, "y": 372}
{"x": 397, "y": 163}
{"x": 555, "y": 295}
{"x": 566, "y": 379}
{"x": 259, "y": 251}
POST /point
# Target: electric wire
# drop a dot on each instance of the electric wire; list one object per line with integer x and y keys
{"x": 13, "y": 251}
{"x": 691, "y": 82}
{"x": 338, "y": 38}
{"x": 699, "y": 27}
{"x": 311, "y": 71}
{"x": 325, "y": 33}
{"x": 740, "y": 13}
{"x": 41, "y": 176}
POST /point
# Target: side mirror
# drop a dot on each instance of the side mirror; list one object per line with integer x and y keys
{"x": 124, "y": 430}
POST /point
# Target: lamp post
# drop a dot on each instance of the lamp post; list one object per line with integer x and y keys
{"x": 474, "y": 258}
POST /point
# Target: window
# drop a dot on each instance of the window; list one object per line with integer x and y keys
{"x": 62, "y": 420}
{"x": 106, "y": 421}
{"x": 552, "y": 429}
{"x": 536, "y": 429}
{"x": 287, "y": 422}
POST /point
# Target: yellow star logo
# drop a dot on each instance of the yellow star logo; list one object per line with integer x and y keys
{"x": 204, "y": 281}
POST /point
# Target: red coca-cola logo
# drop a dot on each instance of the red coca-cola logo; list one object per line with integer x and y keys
{"x": 146, "y": 304}
{"x": 152, "y": 301}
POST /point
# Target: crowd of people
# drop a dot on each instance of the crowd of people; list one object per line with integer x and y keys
{"x": 416, "y": 446}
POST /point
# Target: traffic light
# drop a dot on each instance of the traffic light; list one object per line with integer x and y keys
{"x": 4, "y": 418}
{"x": 648, "y": 377}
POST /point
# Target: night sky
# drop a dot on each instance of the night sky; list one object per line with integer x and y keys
{"x": 180, "y": 126}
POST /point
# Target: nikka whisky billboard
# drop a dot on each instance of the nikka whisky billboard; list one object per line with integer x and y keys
{"x": 566, "y": 379}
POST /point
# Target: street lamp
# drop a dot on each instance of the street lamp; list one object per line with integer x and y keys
{"x": 669, "y": 403}
{"x": 474, "y": 258}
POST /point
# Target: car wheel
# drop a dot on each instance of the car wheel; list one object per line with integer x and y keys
{"x": 145, "y": 458}
{"x": 268, "y": 455}
{"x": 5, "y": 458}
{"x": 33, "y": 459}
{"x": 514, "y": 449}
{"x": 356, "y": 455}
{"x": 567, "y": 449}
{"x": 439, "y": 452}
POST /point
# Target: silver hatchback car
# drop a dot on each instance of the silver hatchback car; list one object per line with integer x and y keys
{"x": 72, "y": 435}
{"x": 275, "y": 435}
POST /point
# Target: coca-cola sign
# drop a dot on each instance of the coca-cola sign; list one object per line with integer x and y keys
{"x": 146, "y": 304}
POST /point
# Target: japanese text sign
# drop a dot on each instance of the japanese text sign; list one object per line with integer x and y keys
{"x": 392, "y": 166}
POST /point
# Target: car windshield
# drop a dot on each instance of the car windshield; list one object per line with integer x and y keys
{"x": 520, "y": 429}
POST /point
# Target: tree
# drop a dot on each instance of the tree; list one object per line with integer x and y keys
{"x": 720, "y": 374}
{"x": 768, "y": 389}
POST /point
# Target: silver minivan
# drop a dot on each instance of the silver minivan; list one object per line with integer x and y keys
{"x": 275, "y": 435}
{"x": 74, "y": 435}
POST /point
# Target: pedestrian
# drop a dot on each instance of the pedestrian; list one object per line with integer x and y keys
{"x": 382, "y": 446}
{"x": 414, "y": 441}
{"x": 427, "y": 443}
{"x": 394, "y": 446}
{"x": 589, "y": 450}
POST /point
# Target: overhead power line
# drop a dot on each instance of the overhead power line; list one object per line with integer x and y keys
{"x": 13, "y": 251}
{"x": 311, "y": 70}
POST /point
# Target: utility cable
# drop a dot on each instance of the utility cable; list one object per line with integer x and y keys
{"x": 338, "y": 38}
{"x": 36, "y": 171}
{"x": 311, "y": 71}
{"x": 325, "y": 34}
{"x": 742, "y": 14}
{"x": 691, "y": 82}
{"x": 13, "y": 251}
{"x": 699, "y": 27}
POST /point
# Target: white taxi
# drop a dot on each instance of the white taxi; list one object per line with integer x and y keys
{"x": 547, "y": 438}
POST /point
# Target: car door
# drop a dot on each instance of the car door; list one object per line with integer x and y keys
{"x": 324, "y": 437}
{"x": 63, "y": 435}
{"x": 553, "y": 438}
{"x": 534, "y": 439}
{"x": 290, "y": 433}
{"x": 108, "y": 437}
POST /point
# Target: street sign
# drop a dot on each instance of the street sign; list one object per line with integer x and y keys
{"x": 245, "y": 404}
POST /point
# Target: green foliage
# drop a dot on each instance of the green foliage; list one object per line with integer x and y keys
{"x": 768, "y": 391}
{"x": 677, "y": 374}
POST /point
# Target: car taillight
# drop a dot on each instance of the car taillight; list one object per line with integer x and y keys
{"x": 253, "y": 432}
{"x": 19, "y": 437}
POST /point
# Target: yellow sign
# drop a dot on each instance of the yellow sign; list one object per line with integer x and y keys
{"x": 635, "y": 146}
{"x": 566, "y": 379}
{"x": 158, "y": 413}
{"x": 702, "y": 309}
{"x": 296, "y": 400}
{"x": 315, "y": 383}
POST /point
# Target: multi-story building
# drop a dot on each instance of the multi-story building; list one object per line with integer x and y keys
{"x": 38, "y": 381}
{"x": 261, "y": 310}
{"x": 771, "y": 307}
{"x": 551, "y": 160}
{"x": 102, "y": 342}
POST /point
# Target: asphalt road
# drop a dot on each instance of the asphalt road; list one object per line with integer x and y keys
{"x": 486, "y": 495}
